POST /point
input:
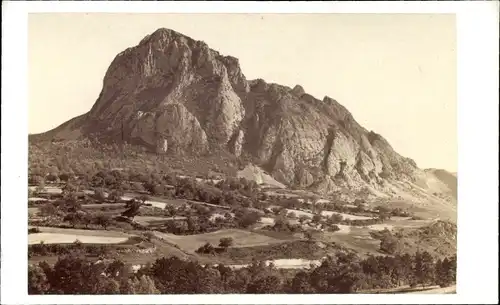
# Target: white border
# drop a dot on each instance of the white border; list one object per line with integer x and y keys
{"x": 477, "y": 24}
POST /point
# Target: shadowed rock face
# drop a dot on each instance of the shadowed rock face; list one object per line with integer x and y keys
{"x": 175, "y": 95}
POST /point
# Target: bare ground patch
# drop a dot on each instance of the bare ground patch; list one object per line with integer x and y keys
{"x": 59, "y": 238}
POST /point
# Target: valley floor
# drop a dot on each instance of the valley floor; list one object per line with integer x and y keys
{"x": 285, "y": 250}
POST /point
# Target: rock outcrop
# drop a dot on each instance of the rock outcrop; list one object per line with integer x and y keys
{"x": 175, "y": 95}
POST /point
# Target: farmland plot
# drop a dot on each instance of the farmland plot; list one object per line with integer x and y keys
{"x": 59, "y": 238}
{"x": 241, "y": 238}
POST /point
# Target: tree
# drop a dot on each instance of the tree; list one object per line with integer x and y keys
{"x": 277, "y": 210}
{"x": 116, "y": 269}
{"x": 333, "y": 228}
{"x": 173, "y": 275}
{"x": 115, "y": 195}
{"x": 103, "y": 220}
{"x": 452, "y": 268}
{"x": 133, "y": 209}
{"x": 137, "y": 186}
{"x": 300, "y": 283}
{"x": 35, "y": 180}
{"x": 206, "y": 249}
{"x": 107, "y": 286}
{"x": 171, "y": 210}
{"x": 192, "y": 224}
{"x": 75, "y": 275}
{"x": 127, "y": 286}
{"x": 334, "y": 219}
{"x": 64, "y": 177}
{"x": 389, "y": 244}
{"x": 159, "y": 189}
{"x": 52, "y": 178}
{"x": 309, "y": 236}
{"x": 383, "y": 209}
{"x": 226, "y": 242}
{"x": 316, "y": 218}
{"x": 384, "y": 215}
{"x": 280, "y": 223}
{"x": 424, "y": 268}
{"x": 228, "y": 216}
{"x": 40, "y": 187}
{"x": 71, "y": 204}
{"x": 69, "y": 189}
{"x": 48, "y": 209}
{"x": 145, "y": 285}
{"x": 303, "y": 218}
{"x": 248, "y": 218}
{"x": 445, "y": 273}
{"x": 149, "y": 186}
{"x": 86, "y": 219}
{"x": 99, "y": 195}
{"x": 292, "y": 215}
{"x": 268, "y": 284}
{"x": 37, "y": 280}
{"x": 143, "y": 198}
{"x": 73, "y": 218}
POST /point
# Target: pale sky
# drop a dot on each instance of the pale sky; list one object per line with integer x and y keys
{"x": 396, "y": 73}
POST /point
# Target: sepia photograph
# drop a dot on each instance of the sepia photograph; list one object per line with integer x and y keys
{"x": 185, "y": 175}
{"x": 241, "y": 153}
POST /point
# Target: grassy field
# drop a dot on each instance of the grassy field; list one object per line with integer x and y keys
{"x": 358, "y": 239}
{"x": 154, "y": 220}
{"x": 292, "y": 254}
{"x": 241, "y": 238}
{"x": 430, "y": 209}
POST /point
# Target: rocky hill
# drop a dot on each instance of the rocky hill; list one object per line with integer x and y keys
{"x": 175, "y": 95}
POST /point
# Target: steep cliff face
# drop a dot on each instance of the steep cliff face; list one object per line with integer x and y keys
{"x": 175, "y": 95}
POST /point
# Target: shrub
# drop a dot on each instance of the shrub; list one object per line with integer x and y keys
{"x": 206, "y": 249}
{"x": 389, "y": 244}
{"x": 33, "y": 230}
{"x": 226, "y": 242}
{"x": 333, "y": 228}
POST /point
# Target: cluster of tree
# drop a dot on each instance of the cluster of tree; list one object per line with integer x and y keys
{"x": 110, "y": 179}
{"x": 389, "y": 243}
{"x": 281, "y": 224}
{"x": 37, "y": 179}
{"x": 232, "y": 193}
{"x": 359, "y": 208}
{"x": 342, "y": 273}
{"x": 202, "y": 223}
{"x": 33, "y": 230}
{"x": 362, "y": 222}
{"x": 244, "y": 186}
{"x": 70, "y": 211}
{"x": 208, "y": 248}
{"x": 193, "y": 225}
{"x": 77, "y": 275}
{"x": 75, "y": 248}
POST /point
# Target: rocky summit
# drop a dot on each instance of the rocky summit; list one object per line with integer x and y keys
{"x": 173, "y": 94}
